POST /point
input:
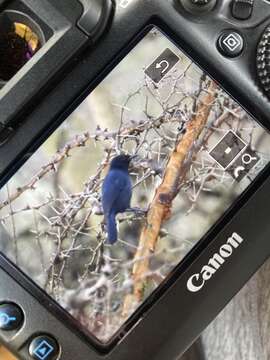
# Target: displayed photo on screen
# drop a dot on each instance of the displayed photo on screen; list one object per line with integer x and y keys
{"x": 118, "y": 195}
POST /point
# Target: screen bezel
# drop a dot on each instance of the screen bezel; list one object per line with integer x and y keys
{"x": 41, "y": 295}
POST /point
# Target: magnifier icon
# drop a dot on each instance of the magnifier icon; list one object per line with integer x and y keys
{"x": 247, "y": 159}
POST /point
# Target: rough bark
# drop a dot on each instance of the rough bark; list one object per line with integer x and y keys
{"x": 160, "y": 208}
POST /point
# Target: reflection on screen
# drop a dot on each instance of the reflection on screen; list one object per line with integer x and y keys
{"x": 196, "y": 152}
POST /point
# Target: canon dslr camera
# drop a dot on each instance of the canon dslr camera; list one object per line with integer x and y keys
{"x": 135, "y": 151}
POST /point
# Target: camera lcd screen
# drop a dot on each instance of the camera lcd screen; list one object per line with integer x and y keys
{"x": 162, "y": 133}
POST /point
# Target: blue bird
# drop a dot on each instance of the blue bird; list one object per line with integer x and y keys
{"x": 116, "y": 193}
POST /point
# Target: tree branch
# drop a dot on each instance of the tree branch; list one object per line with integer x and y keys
{"x": 160, "y": 208}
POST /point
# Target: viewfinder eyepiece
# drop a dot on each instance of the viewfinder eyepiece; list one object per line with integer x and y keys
{"x": 20, "y": 39}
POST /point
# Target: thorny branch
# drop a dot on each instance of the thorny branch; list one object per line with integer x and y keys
{"x": 160, "y": 208}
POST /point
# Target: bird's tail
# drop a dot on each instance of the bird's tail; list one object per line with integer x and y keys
{"x": 111, "y": 229}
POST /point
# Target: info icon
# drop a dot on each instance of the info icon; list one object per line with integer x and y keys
{"x": 231, "y": 43}
{"x": 228, "y": 148}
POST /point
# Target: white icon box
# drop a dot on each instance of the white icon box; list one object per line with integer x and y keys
{"x": 162, "y": 65}
{"x": 226, "y": 151}
{"x": 232, "y": 42}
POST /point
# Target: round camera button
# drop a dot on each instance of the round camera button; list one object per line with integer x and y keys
{"x": 11, "y": 317}
{"x": 230, "y": 43}
{"x": 44, "y": 347}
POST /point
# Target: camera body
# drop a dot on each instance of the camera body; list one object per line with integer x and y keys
{"x": 76, "y": 54}
{"x": 63, "y": 30}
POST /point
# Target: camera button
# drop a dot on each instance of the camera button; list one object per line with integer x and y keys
{"x": 11, "y": 317}
{"x": 44, "y": 347}
{"x": 242, "y": 9}
{"x": 198, "y": 6}
{"x": 230, "y": 43}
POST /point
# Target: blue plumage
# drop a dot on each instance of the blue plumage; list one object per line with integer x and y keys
{"x": 116, "y": 194}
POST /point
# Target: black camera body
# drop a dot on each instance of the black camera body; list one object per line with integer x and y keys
{"x": 82, "y": 41}
{"x": 64, "y": 30}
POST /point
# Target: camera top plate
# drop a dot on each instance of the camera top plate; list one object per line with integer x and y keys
{"x": 198, "y": 34}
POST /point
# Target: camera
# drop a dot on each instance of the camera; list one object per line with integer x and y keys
{"x": 56, "y": 34}
{"x": 134, "y": 171}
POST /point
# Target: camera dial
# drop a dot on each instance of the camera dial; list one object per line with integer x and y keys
{"x": 198, "y": 6}
{"x": 200, "y": 2}
{"x": 263, "y": 61}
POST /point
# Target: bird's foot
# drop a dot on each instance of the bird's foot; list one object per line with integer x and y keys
{"x": 137, "y": 211}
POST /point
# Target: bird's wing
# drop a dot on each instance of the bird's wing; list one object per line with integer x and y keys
{"x": 113, "y": 186}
